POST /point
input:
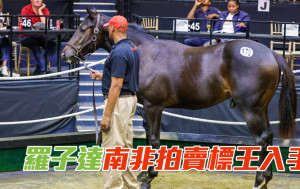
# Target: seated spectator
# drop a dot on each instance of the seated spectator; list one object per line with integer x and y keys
{"x": 205, "y": 12}
{"x": 5, "y": 50}
{"x": 236, "y": 25}
{"x": 37, "y": 7}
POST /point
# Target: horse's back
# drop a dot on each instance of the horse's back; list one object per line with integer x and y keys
{"x": 248, "y": 53}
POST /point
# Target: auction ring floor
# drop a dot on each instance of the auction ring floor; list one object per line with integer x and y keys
{"x": 171, "y": 180}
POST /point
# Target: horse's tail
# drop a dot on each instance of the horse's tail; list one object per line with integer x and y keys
{"x": 288, "y": 100}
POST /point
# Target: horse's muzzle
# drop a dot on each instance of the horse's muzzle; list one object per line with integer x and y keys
{"x": 63, "y": 56}
{"x": 67, "y": 55}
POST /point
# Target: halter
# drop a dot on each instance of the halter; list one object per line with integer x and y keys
{"x": 92, "y": 40}
{"x": 80, "y": 56}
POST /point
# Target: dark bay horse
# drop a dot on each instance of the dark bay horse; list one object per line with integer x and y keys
{"x": 173, "y": 75}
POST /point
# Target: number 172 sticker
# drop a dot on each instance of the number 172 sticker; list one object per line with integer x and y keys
{"x": 246, "y": 51}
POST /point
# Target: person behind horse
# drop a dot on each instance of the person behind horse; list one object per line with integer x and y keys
{"x": 37, "y": 7}
{"x": 4, "y": 45}
{"x": 119, "y": 86}
{"x": 236, "y": 25}
{"x": 205, "y": 12}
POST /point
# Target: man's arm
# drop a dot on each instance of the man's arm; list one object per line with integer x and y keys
{"x": 43, "y": 19}
{"x": 192, "y": 12}
{"x": 246, "y": 17}
{"x": 211, "y": 16}
{"x": 113, "y": 95}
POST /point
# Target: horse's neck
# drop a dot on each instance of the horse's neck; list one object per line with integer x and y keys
{"x": 137, "y": 39}
{"x": 108, "y": 47}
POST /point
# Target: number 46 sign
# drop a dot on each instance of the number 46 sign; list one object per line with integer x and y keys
{"x": 26, "y": 23}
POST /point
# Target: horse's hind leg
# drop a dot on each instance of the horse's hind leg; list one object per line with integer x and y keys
{"x": 153, "y": 118}
{"x": 258, "y": 124}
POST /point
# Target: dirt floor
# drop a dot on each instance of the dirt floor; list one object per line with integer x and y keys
{"x": 165, "y": 180}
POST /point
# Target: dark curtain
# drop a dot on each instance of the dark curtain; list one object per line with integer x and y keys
{"x": 31, "y": 100}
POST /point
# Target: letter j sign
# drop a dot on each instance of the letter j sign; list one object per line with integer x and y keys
{"x": 264, "y": 5}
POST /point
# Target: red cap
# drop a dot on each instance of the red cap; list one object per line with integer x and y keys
{"x": 118, "y": 22}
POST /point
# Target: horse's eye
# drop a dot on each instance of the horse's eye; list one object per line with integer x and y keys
{"x": 82, "y": 30}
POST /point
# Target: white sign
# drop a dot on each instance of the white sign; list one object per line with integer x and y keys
{"x": 26, "y": 23}
{"x": 291, "y": 30}
{"x": 263, "y": 6}
{"x": 246, "y": 51}
{"x": 181, "y": 25}
{"x": 195, "y": 26}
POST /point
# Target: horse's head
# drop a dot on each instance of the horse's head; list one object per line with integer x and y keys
{"x": 90, "y": 36}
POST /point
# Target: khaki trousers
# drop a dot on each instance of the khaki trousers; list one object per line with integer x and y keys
{"x": 120, "y": 134}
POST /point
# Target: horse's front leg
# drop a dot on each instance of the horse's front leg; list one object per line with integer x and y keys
{"x": 153, "y": 118}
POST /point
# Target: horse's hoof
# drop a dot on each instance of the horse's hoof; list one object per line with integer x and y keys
{"x": 145, "y": 185}
{"x": 142, "y": 177}
{"x": 264, "y": 187}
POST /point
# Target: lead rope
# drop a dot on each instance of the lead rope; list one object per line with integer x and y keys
{"x": 98, "y": 135}
{"x": 93, "y": 39}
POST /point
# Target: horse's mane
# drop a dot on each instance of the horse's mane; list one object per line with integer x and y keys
{"x": 136, "y": 31}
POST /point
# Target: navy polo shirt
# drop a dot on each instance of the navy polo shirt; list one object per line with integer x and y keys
{"x": 123, "y": 62}
{"x": 199, "y": 13}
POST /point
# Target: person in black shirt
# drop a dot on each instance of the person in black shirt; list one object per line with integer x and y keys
{"x": 119, "y": 86}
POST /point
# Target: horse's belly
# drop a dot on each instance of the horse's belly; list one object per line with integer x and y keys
{"x": 194, "y": 101}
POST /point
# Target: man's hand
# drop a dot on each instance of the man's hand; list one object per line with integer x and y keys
{"x": 96, "y": 75}
{"x": 105, "y": 122}
{"x": 42, "y": 7}
{"x": 241, "y": 25}
{"x": 198, "y": 2}
{"x": 211, "y": 16}
{"x": 195, "y": 6}
{"x": 40, "y": 11}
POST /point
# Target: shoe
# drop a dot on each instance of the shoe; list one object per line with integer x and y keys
{"x": 4, "y": 71}
{"x": 44, "y": 72}
{"x": 15, "y": 75}
{"x": 37, "y": 71}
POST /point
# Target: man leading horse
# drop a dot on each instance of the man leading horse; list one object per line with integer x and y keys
{"x": 173, "y": 75}
{"x": 119, "y": 87}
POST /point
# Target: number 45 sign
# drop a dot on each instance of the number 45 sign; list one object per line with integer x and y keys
{"x": 26, "y": 23}
{"x": 195, "y": 26}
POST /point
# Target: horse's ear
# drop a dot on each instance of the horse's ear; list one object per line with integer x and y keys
{"x": 94, "y": 10}
{"x": 91, "y": 12}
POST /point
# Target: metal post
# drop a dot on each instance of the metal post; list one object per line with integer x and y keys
{"x": 46, "y": 45}
{"x": 284, "y": 40}
{"x": 58, "y": 53}
{"x": 76, "y": 22}
{"x": 78, "y": 72}
{"x": 11, "y": 46}
{"x": 248, "y": 30}
{"x": 69, "y": 69}
{"x": 175, "y": 29}
{"x": 210, "y": 32}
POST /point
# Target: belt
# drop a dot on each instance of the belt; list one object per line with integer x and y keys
{"x": 121, "y": 96}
